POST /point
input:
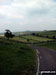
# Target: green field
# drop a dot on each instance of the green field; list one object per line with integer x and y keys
{"x": 20, "y": 39}
{"x": 24, "y": 39}
{"x": 32, "y": 39}
{"x": 49, "y": 45}
{"x": 37, "y": 38}
{"x": 48, "y": 33}
{"x": 16, "y": 58}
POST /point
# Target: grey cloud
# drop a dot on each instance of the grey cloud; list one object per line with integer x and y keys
{"x": 43, "y": 12}
{"x": 6, "y": 2}
{"x": 38, "y": 12}
{"x": 21, "y": 1}
{"x": 34, "y": 18}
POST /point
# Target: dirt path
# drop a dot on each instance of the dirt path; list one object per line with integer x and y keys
{"x": 47, "y": 59}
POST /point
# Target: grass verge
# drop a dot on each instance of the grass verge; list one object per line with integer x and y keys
{"x": 17, "y": 59}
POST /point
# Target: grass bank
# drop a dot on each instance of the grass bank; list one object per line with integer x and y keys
{"x": 16, "y": 59}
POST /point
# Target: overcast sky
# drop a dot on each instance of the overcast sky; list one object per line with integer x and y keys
{"x": 21, "y": 15}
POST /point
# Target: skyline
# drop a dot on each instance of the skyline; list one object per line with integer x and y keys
{"x": 23, "y": 15}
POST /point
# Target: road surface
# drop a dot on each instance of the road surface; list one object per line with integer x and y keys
{"x": 47, "y": 60}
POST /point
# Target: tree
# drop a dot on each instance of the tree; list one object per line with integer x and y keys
{"x": 33, "y": 34}
{"x": 9, "y": 34}
{"x": 27, "y": 40}
{"x": 37, "y": 34}
{"x": 47, "y": 36}
{"x": 54, "y": 37}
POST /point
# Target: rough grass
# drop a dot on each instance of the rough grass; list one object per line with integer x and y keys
{"x": 16, "y": 59}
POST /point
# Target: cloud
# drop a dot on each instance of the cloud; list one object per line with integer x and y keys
{"x": 27, "y": 14}
{"x": 5, "y": 2}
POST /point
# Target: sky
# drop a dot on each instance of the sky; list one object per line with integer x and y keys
{"x": 22, "y": 15}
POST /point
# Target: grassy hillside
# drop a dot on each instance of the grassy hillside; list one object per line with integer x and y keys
{"x": 16, "y": 58}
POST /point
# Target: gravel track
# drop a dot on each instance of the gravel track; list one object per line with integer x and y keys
{"x": 47, "y": 59}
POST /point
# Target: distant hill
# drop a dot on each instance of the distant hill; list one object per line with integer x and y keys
{"x": 1, "y": 33}
{"x": 49, "y": 33}
{"x": 24, "y": 32}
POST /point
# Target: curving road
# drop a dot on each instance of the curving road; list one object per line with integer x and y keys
{"x": 47, "y": 60}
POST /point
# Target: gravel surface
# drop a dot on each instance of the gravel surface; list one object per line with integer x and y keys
{"x": 47, "y": 60}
